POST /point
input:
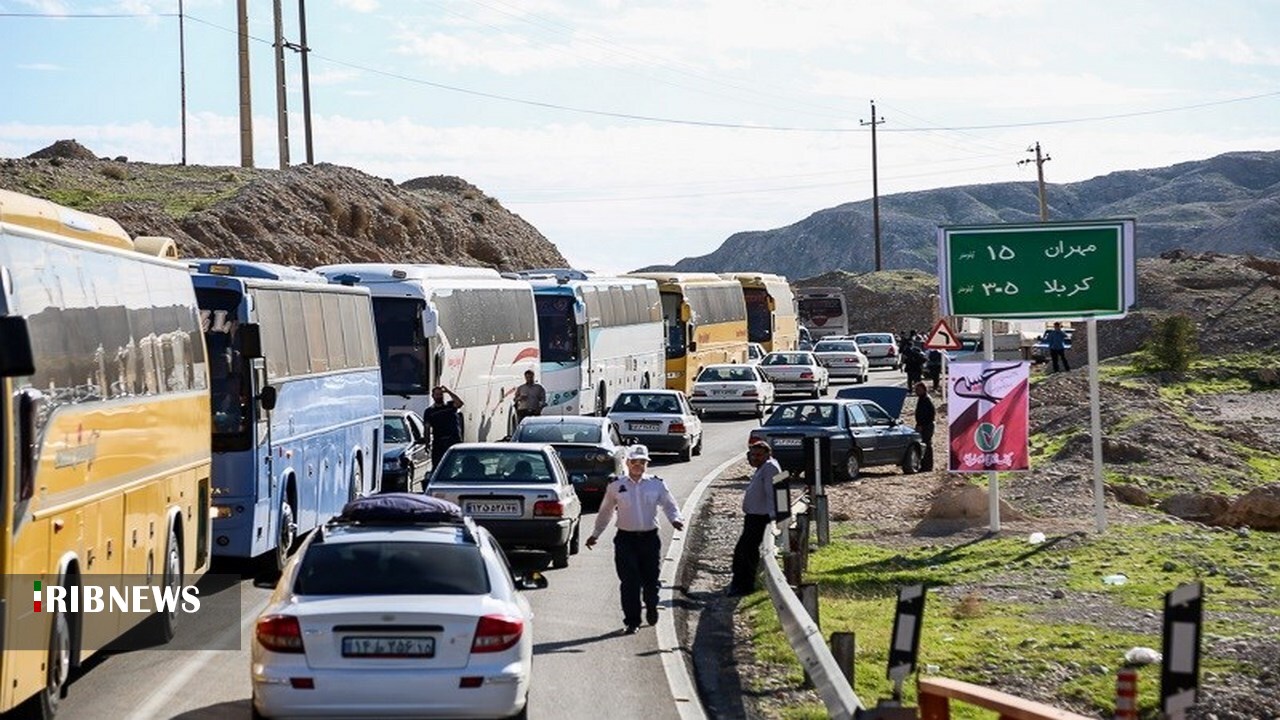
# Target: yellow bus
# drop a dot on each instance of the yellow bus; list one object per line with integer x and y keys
{"x": 706, "y": 323}
{"x": 104, "y": 435}
{"x": 771, "y": 310}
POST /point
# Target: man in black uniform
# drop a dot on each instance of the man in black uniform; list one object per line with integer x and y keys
{"x": 636, "y": 498}
{"x": 925, "y": 416}
{"x": 442, "y": 417}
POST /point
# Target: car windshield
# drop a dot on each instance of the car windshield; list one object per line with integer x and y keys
{"x": 391, "y": 568}
{"x": 726, "y": 374}
{"x": 395, "y": 429}
{"x": 786, "y": 359}
{"x": 559, "y": 432}
{"x": 493, "y": 465}
{"x": 819, "y": 414}
{"x": 875, "y": 339}
{"x": 646, "y": 402}
{"x": 835, "y": 347}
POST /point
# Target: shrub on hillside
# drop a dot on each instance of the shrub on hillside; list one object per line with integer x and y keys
{"x": 1172, "y": 346}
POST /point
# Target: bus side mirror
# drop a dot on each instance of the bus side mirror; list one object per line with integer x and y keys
{"x": 250, "y": 341}
{"x": 686, "y": 312}
{"x": 268, "y": 398}
{"x": 693, "y": 345}
{"x": 16, "y": 358}
{"x": 430, "y": 321}
{"x": 579, "y": 312}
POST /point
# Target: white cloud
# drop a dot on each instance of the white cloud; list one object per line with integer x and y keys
{"x": 1234, "y": 50}
{"x": 42, "y": 67}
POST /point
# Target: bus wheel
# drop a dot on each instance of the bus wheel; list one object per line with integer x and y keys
{"x": 287, "y": 535}
{"x": 166, "y": 623}
{"x": 644, "y": 382}
{"x": 58, "y": 669}
{"x": 357, "y": 482}
{"x": 601, "y": 410}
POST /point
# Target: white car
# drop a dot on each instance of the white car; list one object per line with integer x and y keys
{"x": 796, "y": 372}
{"x": 755, "y": 353}
{"x": 732, "y": 389}
{"x": 881, "y": 349}
{"x": 842, "y": 359}
{"x": 661, "y": 420}
{"x": 400, "y": 611}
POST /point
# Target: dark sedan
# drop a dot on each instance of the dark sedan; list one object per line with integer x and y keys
{"x": 862, "y": 435}
{"x": 406, "y": 454}
{"x": 589, "y": 447}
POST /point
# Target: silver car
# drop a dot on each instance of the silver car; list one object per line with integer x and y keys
{"x": 661, "y": 420}
{"x": 881, "y": 350}
{"x": 520, "y": 492}
{"x": 843, "y": 359}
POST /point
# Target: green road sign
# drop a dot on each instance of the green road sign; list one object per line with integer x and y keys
{"x": 1045, "y": 270}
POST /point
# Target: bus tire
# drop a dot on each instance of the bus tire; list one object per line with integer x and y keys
{"x": 356, "y": 484}
{"x": 286, "y": 535}
{"x": 166, "y": 624}
{"x": 57, "y": 669}
{"x": 644, "y": 382}
{"x": 601, "y": 409}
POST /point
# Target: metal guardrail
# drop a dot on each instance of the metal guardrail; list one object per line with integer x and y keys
{"x": 803, "y": 634}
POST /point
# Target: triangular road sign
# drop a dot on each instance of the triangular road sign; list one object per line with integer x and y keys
{"x": 942, "y": 337}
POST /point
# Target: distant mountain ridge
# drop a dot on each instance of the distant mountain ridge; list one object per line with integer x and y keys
{"x": 1229, "y": 204}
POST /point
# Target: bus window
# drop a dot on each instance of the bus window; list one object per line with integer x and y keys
{"x": 228, "y": 371}
{"x": 402, "y": 350}
{"x": 557, "y": 330}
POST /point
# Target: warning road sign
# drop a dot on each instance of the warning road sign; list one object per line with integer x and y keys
{"x": 942, "y": 337}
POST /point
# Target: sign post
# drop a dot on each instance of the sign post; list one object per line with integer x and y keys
{"x": 1082, "y": 269}
{"x": 1180, "y": 670}
{"x": 904, "y": 646}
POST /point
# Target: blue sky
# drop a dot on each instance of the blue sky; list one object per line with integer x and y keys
{"x": 638, "y": 132}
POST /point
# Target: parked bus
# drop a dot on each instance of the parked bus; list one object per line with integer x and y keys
{"x": 469, "y": 329}
{"x": 297, "y": 402}
{"x": 771, "y": 310}
{"x": 104, "y": 435}
{"x": 822, "y": 310}
{"x": 706, "y": 323}
{"x": 597, "y": 336}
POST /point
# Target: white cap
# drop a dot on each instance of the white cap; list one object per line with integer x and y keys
{"x": 638, "y": 452}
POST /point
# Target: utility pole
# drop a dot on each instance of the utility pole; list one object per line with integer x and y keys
{"x": 1039, "y": 161}
{"x": 306, "y": 76}
{"x": 875, "y": 181}
{"x": 246, "y": 107}
{"x": 182, "y": 78}
{"x": 282, "y": 112}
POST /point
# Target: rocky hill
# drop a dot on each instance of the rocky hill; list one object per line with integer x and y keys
{"x": 1229, "y": 203}
{"x": 306, "y": 215}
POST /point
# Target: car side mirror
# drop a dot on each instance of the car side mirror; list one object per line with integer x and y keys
{"x": 532, "y": 580}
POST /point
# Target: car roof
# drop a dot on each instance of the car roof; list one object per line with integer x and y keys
{"x": 560, "y": 419}
{"x": 719, "y": 366}
{"x": 440, "y": 534}
{"x": 654, "y": 391}
{"x": 501, "y": 446}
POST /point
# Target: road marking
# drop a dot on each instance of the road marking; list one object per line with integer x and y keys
{"x": 684, "y": 690}
{"x": 162, "y": 696}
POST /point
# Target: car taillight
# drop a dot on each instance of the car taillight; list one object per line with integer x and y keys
{"x": 675, "y": 427}
{"x": 806, "y": 375}
{"x": 548, "y": 508}
{"x": 280, "y": 633}
{"x": 495, "y": 633}
{"x": 750, "y": 393}
{"x": 892, "y": 350}
{"x": 699, "y": 393}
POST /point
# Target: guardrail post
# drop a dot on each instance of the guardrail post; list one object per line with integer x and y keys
{"x": 818, "y": 456}
{"x": 844, "y": 649}
{"x": 808, "y": 593}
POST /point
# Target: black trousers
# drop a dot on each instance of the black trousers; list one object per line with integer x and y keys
{"x": 636, "y": 557}
{"x": 438, "y": 446}
{"x": 1059, "y": 355}
{"x": 746, "y": 554}
{"x": 926, "y": 433}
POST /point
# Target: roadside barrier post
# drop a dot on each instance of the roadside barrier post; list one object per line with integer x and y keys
{"x": 808, "y": 593}
{"x": 844, "y": 648}
{"x": 1127, "y": 693}
{"x": 818, "y": 457}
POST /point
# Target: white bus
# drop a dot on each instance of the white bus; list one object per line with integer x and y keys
{"x": 468, "y": 329}
{"x": 598, "y": 336}
{"x": 822, "y": 310}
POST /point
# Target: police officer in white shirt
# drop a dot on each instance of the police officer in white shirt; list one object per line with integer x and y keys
{"x": 636, "y": 498}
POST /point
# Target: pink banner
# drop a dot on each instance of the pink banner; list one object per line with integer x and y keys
{"x": 987, "y": 413}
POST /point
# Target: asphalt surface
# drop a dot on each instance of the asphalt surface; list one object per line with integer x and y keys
{"x": 582, "y": 667}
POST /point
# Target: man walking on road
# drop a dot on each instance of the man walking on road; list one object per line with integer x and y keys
{"x": 926, "y": 414}
{"x": 757, "y": 512}
{"x": 636, "y": 498}
{"x": 530, "y": 397}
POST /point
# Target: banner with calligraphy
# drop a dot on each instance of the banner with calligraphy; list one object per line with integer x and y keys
{"x": 987, "y": 416}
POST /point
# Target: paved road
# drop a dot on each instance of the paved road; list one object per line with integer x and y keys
{"x": 582, "y": 667}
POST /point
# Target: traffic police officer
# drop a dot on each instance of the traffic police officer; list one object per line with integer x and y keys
{"x": 636, "y": 497}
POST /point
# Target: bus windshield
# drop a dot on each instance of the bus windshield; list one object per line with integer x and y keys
{"x": 557, "y": 328}
{"x": 228, "y": 376}
{"x": 402, "y": 350}
{"x": 759, "y": 319}
{"x": 820, "y": 311}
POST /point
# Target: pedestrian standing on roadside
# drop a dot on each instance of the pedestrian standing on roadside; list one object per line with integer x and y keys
{"x": 442, "y": 418}
{"x": 1057, "y": 341}
{"x": 636, "y": 498}
{"x": 758, "y": 510}
{"x": 530, "y": 397}
{"x": 935, "y": 367}
{"x": 913, "y": 363}
{"x": 926, "y": 414}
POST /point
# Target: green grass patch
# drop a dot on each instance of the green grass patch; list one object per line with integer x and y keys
{"x": 1265, "y": 464}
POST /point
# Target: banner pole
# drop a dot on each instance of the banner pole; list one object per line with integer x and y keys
{"x": 993, "y": 477}
{"x": 1095, "y": 427}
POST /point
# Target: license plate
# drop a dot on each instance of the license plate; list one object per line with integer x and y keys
{"x": 492, "y": 508}
{"x": 644, "y": 425}
{"x": 389, "y": 647}
{"x": 780, "y": 442}
{"x": 850, "y": 361}
{"x": 724, "y": 392}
